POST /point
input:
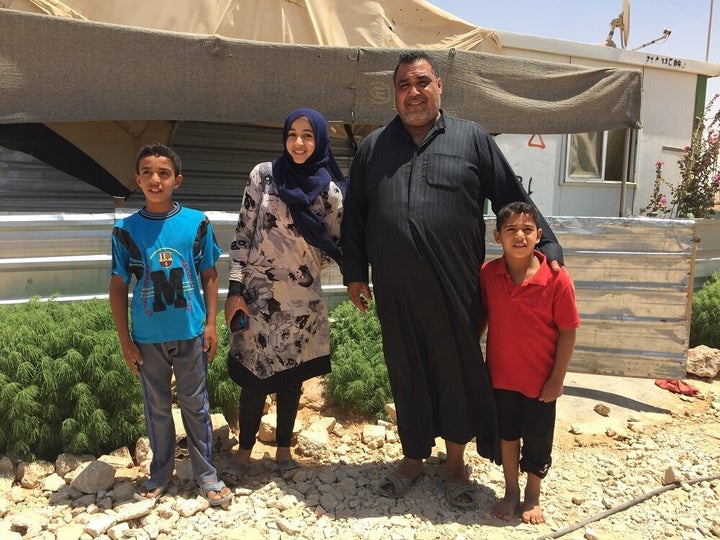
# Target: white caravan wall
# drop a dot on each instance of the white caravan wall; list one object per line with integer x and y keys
{"x": 667, "y": 112}
{"x": 540, "y": 164}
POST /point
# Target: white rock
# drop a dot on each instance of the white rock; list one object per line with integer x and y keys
{"x": 268, "y": 425}
{"x": 32, "y": 474}
{"x": 99, "y": 524}
{"x": 117, "y": 532}
{"x": 53, "y": 483}
{"x": 324, "y": 422}
{"x": 143, "y": 451}
{"x": 190, "y": 507}
{"x": 117, "y": 462}
{"x": 672, "y": 476}
{"x": 372, "y": 433}
{"x": 313, "y": 442}
{"x": 71, "y": 531}
{"x": 703, "y": 361}
{"x": 391, "y": 412}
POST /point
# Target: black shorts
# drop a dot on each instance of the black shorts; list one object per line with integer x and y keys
{"x": 533, "y": 421}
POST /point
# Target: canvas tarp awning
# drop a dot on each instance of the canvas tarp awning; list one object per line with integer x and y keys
{"x": 341, "y": 23}
{"x": 128, "y": 85}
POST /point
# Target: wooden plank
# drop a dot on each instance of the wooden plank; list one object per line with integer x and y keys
{"x": 638, "y": 336}
{"x": 629, "y": 304}
{"x": 629, "y": 364}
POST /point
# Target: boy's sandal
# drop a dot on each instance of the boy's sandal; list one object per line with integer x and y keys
{"x": 461, "y": 494}
{"x": 288, "y": 468}
{"x": 235, "y": 473}
{"x": 223, "y": 494}
{"x": 144, "y": 493}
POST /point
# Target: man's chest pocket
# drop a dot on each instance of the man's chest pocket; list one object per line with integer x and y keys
{"x": 446, "y": 171}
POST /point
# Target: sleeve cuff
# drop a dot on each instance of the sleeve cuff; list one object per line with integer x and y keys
{"x": 236, "y": 288}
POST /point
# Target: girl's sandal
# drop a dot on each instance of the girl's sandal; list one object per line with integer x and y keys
{"x": 288, "y": 468}
{"x": 234, "y": 474}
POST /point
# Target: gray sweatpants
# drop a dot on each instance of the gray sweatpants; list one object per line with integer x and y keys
{"x": 189, "y": 362}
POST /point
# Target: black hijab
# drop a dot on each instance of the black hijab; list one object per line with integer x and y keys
{"x": 300, "y": 184}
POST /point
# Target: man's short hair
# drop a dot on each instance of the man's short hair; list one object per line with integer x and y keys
{"x": 159, "y": 150}
{"x": 411, "y": 57}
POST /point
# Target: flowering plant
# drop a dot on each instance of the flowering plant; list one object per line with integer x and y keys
{"x": 694, "y": 196}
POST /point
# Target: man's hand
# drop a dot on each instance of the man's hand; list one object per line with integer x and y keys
{"x": 555, "y": 266}
{"x": 360, "y": 295}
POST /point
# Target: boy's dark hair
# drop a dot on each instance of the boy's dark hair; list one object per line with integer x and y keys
{"x": 414, "y": 56}
{"x": 517, "y": 207}
{"x": 159, "y": 150}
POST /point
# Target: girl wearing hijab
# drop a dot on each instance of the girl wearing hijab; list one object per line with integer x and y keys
{"x": 288, "y": 230}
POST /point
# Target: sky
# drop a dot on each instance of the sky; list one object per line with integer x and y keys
{"x": 588, "y": 21}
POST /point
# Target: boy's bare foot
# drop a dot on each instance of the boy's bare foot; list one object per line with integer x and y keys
{"x": 153, "y": 494}
{"x": 532, "y": 512}
{"x": 507, "y": 507}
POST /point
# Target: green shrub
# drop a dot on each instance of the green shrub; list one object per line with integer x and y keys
{"x": 359, "y": 380}
{"x": 64, "y": 386}
{"x": 705, "y": 319}
{"x": 224, "y": 394}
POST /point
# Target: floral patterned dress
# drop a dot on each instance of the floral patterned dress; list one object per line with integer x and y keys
{"x": 287, "y": 335}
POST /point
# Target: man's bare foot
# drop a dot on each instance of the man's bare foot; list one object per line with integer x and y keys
{"x": 532, "y": 512}
{"x": 506, "y": 508}
{"x": 409, "y": 469}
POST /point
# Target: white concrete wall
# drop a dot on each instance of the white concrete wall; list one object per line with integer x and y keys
{"x": 668, "y": 106}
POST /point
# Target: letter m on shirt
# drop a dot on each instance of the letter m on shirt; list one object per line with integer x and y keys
{"x": 166, "y": 293}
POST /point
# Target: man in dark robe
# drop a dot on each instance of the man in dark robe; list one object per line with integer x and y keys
{"x": 414, "y": 212}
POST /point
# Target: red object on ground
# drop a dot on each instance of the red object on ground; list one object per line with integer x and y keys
{"x": 677, "y": 386}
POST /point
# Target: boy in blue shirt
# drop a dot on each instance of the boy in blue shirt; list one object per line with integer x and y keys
{"x": 171, "y": 251}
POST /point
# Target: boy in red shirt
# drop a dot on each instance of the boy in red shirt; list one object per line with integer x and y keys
{"x": 530, "y": 316}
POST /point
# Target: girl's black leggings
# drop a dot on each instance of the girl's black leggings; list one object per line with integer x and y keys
{"x": 251, "y": 410}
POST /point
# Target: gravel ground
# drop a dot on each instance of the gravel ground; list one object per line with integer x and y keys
{"x": 615, "y": 465}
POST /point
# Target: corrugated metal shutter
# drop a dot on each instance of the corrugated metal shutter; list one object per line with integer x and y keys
{"x": 217, "y": 159}
{"x": 27, "y": 185}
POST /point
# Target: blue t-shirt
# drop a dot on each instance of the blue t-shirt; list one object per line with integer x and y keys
{"x": 165, "y": 253}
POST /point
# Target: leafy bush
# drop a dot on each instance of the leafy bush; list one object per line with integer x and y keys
{"x": 704, "y": 325}
{"x": 694, "y": 196}
{"x": 359, "y": 380}
{"x": 224, "y": 394}
{"x": 64, "y": 386}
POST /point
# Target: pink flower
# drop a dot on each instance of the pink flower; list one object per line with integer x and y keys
{"x": 663, "y": 200}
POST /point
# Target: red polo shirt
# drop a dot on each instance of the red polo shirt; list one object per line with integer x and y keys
{"x": 523, "y": 324}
